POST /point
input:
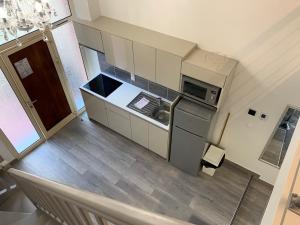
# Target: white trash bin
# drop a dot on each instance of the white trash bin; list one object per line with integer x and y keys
{"x": 214, "y": 156}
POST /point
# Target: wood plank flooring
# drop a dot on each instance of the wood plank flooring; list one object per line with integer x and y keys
{"x": 254, "y": 203}
{"x": 89, "y": 156}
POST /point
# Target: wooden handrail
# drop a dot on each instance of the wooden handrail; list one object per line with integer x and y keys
{"x": 77, "y": 207}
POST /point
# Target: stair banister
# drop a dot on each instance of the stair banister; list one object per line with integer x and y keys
{"x": 77, "y": 207}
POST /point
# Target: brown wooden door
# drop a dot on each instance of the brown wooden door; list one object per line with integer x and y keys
{"x": 37, "y": 72}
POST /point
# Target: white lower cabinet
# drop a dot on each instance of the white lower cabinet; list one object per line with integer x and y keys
{"x": 140, "y": 131}
{"x": 119, "y": 121}
{"x": 95, "y": 108}
{"x": 159, "y": 141}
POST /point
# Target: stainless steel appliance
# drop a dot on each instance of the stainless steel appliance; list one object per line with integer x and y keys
{"x": 193, "y": 120}
{"x": 201, "y": 91}
{"x": 191, "y": 125}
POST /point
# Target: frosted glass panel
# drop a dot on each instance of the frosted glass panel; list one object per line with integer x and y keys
{"x": 69, "y": 52}
{"x": 63, "y": 11}
{"x": 14, "y": 121}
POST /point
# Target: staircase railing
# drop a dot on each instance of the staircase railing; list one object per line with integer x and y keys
{"x": 76, "y": 207}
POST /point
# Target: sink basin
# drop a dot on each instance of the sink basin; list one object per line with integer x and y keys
{"x": 162, "y": 116}
{"x": 156, "y": 109}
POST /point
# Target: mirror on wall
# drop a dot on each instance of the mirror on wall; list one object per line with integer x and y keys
{"x": 277, "y": 146}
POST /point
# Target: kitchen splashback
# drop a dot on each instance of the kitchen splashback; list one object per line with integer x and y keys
{"x": 139, "y": 81}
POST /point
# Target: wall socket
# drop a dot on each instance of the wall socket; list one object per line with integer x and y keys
{"x": 263, "y": 116}
{"x": 252, "y": 112}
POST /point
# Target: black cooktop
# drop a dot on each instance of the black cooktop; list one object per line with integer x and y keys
{"x": 103, "y": 85}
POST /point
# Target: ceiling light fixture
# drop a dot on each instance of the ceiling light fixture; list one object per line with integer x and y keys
{"x": 24, "y": 15}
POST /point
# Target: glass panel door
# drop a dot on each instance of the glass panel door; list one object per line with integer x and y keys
{"x": 67, "y": 46}
{"x": 14, "y": 121}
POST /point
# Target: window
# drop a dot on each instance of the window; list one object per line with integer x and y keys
{"x": 277, "y": 147}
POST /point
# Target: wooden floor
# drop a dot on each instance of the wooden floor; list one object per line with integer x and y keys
{"x": 254, "y": 203}
{"x": 89, "y": 156}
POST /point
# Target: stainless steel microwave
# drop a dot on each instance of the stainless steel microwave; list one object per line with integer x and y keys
{"x": 200, "y": 90}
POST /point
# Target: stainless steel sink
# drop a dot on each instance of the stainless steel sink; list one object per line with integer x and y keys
{"x": 156, "y": 109}
{"x": 161, "y": 115}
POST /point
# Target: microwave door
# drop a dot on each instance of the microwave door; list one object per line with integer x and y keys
{"x": 195, "y": 91}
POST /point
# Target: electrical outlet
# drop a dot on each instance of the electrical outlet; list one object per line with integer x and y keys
{"x": 252, "y": 112}
{"x": 263, "y": 116}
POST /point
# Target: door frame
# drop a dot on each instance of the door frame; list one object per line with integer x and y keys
{"x": 24, "y": 96}
{"x": 28, "y": 113}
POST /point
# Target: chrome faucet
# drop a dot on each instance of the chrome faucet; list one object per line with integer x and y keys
{"x": 159, "y": 101}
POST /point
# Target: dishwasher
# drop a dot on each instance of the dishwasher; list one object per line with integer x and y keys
{"x": 191, "y": 125}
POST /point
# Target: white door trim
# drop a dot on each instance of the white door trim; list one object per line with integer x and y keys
{"x": 27, "y": 42}
{"x": 27, "y": 111}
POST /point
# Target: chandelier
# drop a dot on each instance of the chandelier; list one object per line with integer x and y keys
{"x": 24, "y": 15}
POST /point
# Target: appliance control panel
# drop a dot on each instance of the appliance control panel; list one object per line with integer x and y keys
{"x": 213, "y": 97}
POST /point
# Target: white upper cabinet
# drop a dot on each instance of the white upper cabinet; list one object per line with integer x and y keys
{"x": 208, "y": 67}
{"x": 88, "y": 36}
{"x": 144, "y": 61}
{"x": 118, "y": 51}
{"x": 168, "y": 68}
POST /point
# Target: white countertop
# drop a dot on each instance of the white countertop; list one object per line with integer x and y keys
{"x": 123, "y": 95}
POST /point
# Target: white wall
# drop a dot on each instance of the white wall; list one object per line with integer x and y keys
{"x": 284, "y": 184}
{"x": 263, "y": 35}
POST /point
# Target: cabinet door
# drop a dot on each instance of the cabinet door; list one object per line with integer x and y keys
{"x": 140, "y": 131}
{"x": 118, "y": 51}
{"x": 186, "y": 158}
{"x": 168, "y": 68}
{"x": 158, "y": 141}
{"x": 119, "y": 121}
{"x": 95, "y": 108}
{"x": 144, "y": 61}
{"x": 88, "y": 36}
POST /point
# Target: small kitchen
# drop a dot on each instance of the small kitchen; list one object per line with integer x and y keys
{"x": 177, "y": 109}
{"x": 162, "y": 92}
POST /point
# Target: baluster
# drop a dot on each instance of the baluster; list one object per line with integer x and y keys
{"x": 41, "y": 199}
{"x": 69, "y": 212}
{"x": 83, "y": 220}
{"x": 63, "y": 214}
{"x": 95, "y": 219}
{"x": 55, "y": 207}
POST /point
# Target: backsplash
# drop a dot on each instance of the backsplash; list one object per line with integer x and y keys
{"x": 140, "y": 82}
